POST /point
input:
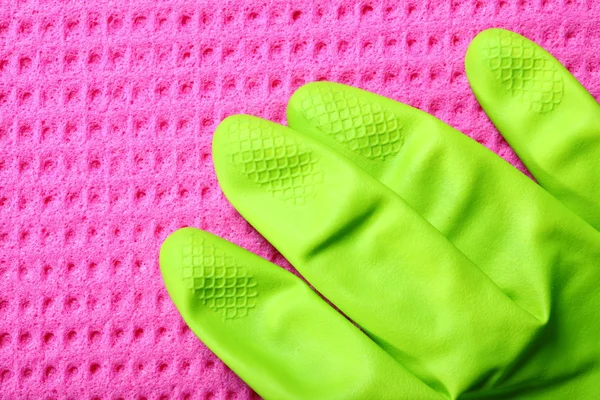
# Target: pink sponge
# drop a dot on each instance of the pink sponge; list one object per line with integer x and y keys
{"x": 106, "y": 115}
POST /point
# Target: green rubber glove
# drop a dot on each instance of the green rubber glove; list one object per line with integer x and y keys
{"x": 464, "y": 279}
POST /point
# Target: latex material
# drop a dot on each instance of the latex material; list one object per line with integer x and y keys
{"x": 475, "y": 280}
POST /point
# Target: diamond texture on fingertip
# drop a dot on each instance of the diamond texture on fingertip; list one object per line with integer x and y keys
{"x": 363, "y": 127}
{"x": 525, "y": 71}
{"x": 275, "y": 161}
{"x": 219, "y": 282}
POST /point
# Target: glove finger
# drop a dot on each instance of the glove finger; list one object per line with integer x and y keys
{"x": 545, "y": 114}
{"x": 269, "y": 327}
{"x": 370, "y": 254}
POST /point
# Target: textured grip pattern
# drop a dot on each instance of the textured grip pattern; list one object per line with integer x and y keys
{"x": 363, "y": 127}
{"x": 279, "y": 163}
{"x": 216, "y": 279}
{"x": 525, "y": 71}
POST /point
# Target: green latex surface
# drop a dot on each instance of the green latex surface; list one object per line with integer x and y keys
{"x": 464, "y": 278}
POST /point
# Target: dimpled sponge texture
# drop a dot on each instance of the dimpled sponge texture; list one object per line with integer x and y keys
{"x": 107, "y": 111}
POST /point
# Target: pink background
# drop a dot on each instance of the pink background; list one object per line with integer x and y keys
{"x": 106, "y": 115}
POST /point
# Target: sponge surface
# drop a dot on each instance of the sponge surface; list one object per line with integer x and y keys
{"x": 107, "y": 111}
